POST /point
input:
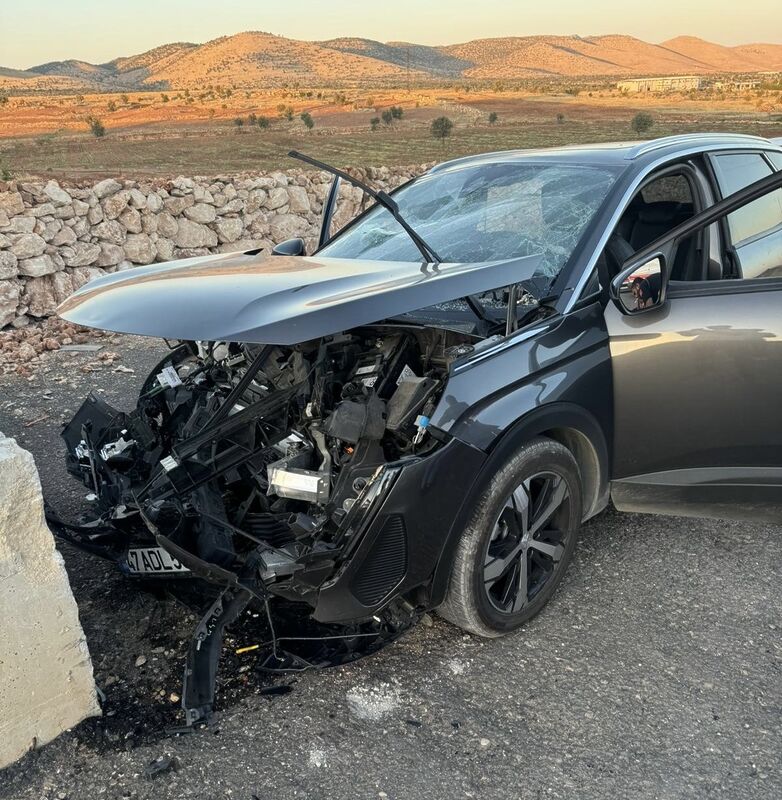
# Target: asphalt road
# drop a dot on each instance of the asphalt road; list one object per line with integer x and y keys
{"x": 655, "y": 672}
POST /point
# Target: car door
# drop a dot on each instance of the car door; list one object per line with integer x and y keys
{"x": 698, "y": 376}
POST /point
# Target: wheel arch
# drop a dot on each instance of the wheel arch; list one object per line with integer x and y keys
{"x": 567, "y": 423}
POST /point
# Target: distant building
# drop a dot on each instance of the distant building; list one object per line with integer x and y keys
{"x": 736, "y": 86}
{"x": 675, "y": 83}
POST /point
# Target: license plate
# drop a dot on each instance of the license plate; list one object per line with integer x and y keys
{"x": 153, "y": 561}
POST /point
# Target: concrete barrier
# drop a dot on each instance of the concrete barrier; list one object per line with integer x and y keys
{"x": 46, "y": 681}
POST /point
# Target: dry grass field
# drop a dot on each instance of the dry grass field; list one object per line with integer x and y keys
{"x": 161, "y": 134}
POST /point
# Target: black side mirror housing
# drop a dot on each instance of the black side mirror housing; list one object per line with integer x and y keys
{"x": 290, "y": 247}
{"x": 641, "y": 286}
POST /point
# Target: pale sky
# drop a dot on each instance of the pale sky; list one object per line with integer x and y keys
{"x": 36, "y": 31}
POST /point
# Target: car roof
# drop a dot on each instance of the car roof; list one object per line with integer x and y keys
{"x": 620, "y": 154}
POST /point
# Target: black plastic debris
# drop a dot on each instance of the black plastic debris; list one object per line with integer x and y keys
{"x": 276, "y": 690}
{"x": 160, "y": 766}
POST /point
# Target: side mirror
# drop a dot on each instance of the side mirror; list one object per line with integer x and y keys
{"x": 290, "y": 247}
{"x": 641, "y": 287}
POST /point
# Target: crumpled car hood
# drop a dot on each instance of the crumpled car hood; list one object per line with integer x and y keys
{"x": 275, "y": 299}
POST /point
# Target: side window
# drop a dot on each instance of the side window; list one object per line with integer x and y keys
{"x": 756, "y": 228}
{"x": 661, "y": 205}
{"x": 776, "y": 159}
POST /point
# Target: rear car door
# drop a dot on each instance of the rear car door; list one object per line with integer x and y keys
{"x": 698, "y": 379}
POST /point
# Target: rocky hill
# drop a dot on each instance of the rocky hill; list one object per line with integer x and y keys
{"x": 527, "y": 56}
{"x": 255, "y": 59}
{"x": 744, "y": 58}
{"x": 430, "y": 60}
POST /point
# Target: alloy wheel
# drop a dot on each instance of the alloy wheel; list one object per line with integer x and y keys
{"x": 526, "y": 543}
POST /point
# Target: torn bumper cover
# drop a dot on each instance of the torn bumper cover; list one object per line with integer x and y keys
{"x": 302, "y": 481}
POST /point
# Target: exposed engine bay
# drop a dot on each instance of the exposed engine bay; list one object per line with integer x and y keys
{"x": 251, "y": 470}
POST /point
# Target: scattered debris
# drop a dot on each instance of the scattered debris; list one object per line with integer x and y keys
{"x": 22, "y": 349}
{"x": 372, "y": 703}
{"x": 276, "y": 690}
{"x": 36, "y": 421}
{"x": 82, "y": 348}
{"x": 457, "y": 667}
{"x": 161, "y": 765}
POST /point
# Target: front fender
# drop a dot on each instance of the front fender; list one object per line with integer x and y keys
{"x": 567, "y": 361}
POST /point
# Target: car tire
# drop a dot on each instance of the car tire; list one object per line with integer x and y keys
{"x": 495, "y": 552}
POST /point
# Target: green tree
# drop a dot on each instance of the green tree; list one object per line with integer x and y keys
{"x": 397, "y": 112}
{"x": 263, "y": 122}
{"x": 308, "y": 121}
{"x": 387, "y": 117}
{"x": 125, "y": 98}
{"x": 112, "y": 106}
{"x": 441, "y": 128}
{"x": 165, "y": 98}
{"x": 252, "y": 119}
{"x": 560, "y": 119}
{"x": 3, "y": 98}
{"x": 642, "y": 122}
{"x": 239, "y": 122}
{"x": 493, "y": 117}
{"x": 97, "y": 128}
{"x": 374, "y": 123}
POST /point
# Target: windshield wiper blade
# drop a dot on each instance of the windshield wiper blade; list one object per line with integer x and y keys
{"x": 381, "y": 198}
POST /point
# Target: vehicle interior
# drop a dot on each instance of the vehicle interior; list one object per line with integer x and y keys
{"x": 664, "y": 202}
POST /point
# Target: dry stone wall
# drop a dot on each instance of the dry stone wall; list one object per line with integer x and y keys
{"x": 55, "y": 237}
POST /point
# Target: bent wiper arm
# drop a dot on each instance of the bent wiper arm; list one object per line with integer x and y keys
{"x": 381, "y": 198}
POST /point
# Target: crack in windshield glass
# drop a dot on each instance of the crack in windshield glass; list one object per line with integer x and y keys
{"x": 485, "y": 213}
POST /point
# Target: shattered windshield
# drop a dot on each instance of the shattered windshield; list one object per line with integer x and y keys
{"x": 485, "y": 213}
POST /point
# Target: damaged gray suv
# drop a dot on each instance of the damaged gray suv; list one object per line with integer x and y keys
{"x": 421, "y": 414}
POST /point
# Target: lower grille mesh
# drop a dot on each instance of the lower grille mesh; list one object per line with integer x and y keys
{"x": 385, "y": 566}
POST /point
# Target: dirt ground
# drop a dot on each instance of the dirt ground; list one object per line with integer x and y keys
{"x": 146, "y": 137}
{"x": 655, "y": 672}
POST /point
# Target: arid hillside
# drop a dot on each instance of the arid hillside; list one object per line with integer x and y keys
{"x": 155, "y": 59}
{"x": 255, "y": 59}
{"x": 744, "y": 58}
{"x": 435, "y": 61}
{"x": 528, "y": 56}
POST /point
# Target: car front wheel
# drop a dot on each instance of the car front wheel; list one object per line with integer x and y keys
{"x": 518, "y": 541}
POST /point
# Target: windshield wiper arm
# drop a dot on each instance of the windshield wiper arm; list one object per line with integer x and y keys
{"x": 381, "y": 198}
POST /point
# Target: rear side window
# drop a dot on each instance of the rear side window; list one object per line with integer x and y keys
{"x": 756, "y": 228}
{"x": 776, "y": 159}
{"x": 669, "y": 188}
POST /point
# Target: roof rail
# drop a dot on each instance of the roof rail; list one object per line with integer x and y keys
{"x": 688, "y": 138}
